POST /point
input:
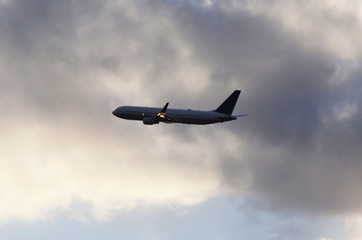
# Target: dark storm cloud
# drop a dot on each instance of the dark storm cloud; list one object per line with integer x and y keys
{"x": 289, "y": 101}
{"x": 233, "y": 47}
{"x": 308, "y": 159}
{"x": 318, "y": 168}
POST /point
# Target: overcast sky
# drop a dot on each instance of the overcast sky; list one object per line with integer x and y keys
{"x": 292, "y": 169}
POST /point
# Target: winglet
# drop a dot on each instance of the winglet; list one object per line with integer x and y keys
{"x": 164, "y": 108}
{"x": 163, "y": 114}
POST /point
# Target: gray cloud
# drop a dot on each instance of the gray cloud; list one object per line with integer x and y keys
{"x": 304, "y": 127}
{"x": 66, "y": 65}
{"x": 60, "y": 130}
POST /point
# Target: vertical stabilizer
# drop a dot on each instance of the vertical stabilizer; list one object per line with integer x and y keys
{"x": 228, "y": 105}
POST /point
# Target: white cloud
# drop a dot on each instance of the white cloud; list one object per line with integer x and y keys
{"x": 44, "y": 167}
{"x": 354, "y": 226}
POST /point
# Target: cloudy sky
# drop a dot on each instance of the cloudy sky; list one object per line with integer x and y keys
{"x": 69, "y": 169}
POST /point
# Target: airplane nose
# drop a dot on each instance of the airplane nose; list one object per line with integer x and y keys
{"x": 118, "y": 112}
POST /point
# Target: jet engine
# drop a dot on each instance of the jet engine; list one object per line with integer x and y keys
{"x": 150, "y": 121}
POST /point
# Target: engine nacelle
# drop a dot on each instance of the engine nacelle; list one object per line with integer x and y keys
{"x": 150, "y": 121}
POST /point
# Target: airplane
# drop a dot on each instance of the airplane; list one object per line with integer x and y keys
{"x": 150, "y": 115}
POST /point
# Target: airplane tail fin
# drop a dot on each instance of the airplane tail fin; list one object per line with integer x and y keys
{"x": 228, "y": 105}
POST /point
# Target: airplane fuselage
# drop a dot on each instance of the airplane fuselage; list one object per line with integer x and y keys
{"x": 151, "y": 116}
{"x": 188, "y": 116}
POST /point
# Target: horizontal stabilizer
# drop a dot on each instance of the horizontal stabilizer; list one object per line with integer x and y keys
{"x": 242, "y": 115}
